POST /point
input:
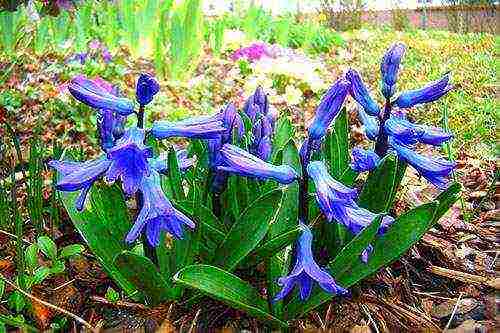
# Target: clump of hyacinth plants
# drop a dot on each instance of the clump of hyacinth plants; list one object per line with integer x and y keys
{"x": 239, "y": 195}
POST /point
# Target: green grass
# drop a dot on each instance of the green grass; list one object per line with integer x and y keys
{"x": 471, "y": 105}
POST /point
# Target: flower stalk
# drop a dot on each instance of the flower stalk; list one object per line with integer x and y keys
{"x": 382, "y": 143}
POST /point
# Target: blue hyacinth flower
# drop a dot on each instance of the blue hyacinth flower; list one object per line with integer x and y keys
{"x": 157, "y": 213}
{"x": 94, "y": 95}
{"x": 184, "y": 162}
{"x": 185, "y": 129}
{"x": 261, "y": 145}
{"x": 356, "y": 218}
{"x": 331, "y": 195}
{"x": 433, "y": 135}
{"x": 360, "y": 93}
{"x": 429, "y": 93}
{"x": 147, "y": 87}
{"x": 238, "y": 161}
{"x": 129, "y": 160}
{"x": 402, "y": 130}
{"x": 257, "y": 104}
{"x": 389, "y": 68}
{"x": 435, "y": 170}
{"x": 371, "y": 125}
{"x": 306, "y": 271}
{"x": 329, "y": 107}
{"x": 364, "y": 160}
{"x": 79, "y": 176}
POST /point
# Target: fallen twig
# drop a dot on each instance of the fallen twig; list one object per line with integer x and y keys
{"x": 52, "y": 306}
{"x": 121, "y": 304}
{"x": 455, "y": 308}
{"x": 465, "y": 277}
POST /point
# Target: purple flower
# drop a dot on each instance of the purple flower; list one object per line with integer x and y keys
{"x": 429, "y": 93}
{"x": 402, "y": 130}
{"x": 146, "y": 88}
{"x": 261, "y": 145}
{"x": 129, "y": 160}
{"x": 306, "y": 271}
{"x": 231, "y": 120}
{"x": 389, "y": 68}
{"x": 370, "y": 124}
{"x": 96, "y": 96}
{"x": 184, "y": 162}
{"x": 106, "y": 55}
{"x": 364, "y": 160}
{"x": 65, "y": 4}
{"x": 328, "y": 108}
{"x": 187, "y": 129}
{"x": 360, "y": 93}
{"x": 79, "y": 176}
{"x": 238, "y": 161}
{"x": 257, "y": 104}
{"x": 433, "y": 135}
{"x": 435, "y": 170}
{"x": 331, "y": 195}
{"x": 157, "y": 213}
{"x": 80, "y": 57}
{"x": 255, "y": 51}
{"x": 356, "y": 219}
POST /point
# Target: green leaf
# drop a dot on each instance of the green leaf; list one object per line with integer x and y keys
{"x": 112, "y": 295}
{"x": 228, "y": 288}
{"x": 103, "y": 224}
{"x": 347, "y": 257}
{"x": 405, "y": 232}
{"x": 58, "y": 267}
{"x": 47, "y": 246}
{"x": 31, "y": 256}
{"x": 175, "y": 176}
{"x": 71, "y": 250}
{"x": 2, "y": 288}
{"x": 17, "y": 322}
{"x": 336, "y": 147}
{"x": 16, "y": 301}
{"x": 283, "y": 133}
{"x": 142, "y": 273}
{"x": 283, "y": 226}
{"x": 41, "y": 273}
{"x": 379, "y": 188}
{"x": 446, "y": 199}
{"x": 272, "y": 247}
{"x": 248, "y": 230}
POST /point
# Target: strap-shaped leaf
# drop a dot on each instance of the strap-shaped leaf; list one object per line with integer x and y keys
{"x": 336, "y": 147}
{"x": 283, "y": 133}
{"x": 142, "y": 273}
{"x": 378, "y": 191}
{"x": 228, "y": 288}
{"x": 285, "y": 223}
{"x": 248, "y": 230}
{"x": 404, "y": 233}
{"x": 271, "y": 247}
{"x": 175, "y": 176}
{"x": 103, "y": 224}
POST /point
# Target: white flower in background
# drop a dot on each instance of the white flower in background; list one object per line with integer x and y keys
{"x": 254, "y": 81}
{"x": 293, "y": 95}
{"x": 233, "y": 39}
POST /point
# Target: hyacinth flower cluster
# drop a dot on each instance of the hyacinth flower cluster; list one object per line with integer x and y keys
{"x": 241, "y": 144}
{"x": 96, "y": 50}
{"x": 389, "y": 127}
{"x": 125, "y": 158}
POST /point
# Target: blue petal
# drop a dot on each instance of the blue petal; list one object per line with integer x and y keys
{"x": 389, "y": 68}
{"x": 435, "y": 170}
{"x": 166, "y": 129}
{"x": 364, "y": 160}
{"x": 429, "y": 93}
{"x": 146, "y": 88}
{"x": 370, "y": 124}
{"x": 238, "y": 161}
{"x": 360, "y": 93}
{"x": 329, "y": 107}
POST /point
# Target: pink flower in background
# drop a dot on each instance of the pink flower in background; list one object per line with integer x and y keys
{"x": 255, "y": 51}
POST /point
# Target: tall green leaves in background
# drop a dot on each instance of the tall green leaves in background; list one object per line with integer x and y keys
{"x": 185, "y": 37}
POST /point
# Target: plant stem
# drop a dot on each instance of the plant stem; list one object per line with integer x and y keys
{"x": 382, "y": 143}
{"x": 304, "y": 185}
{"x": 216, "y": 205}
{"x": 140, "y": 117}
{"x": 149, "y": 251}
